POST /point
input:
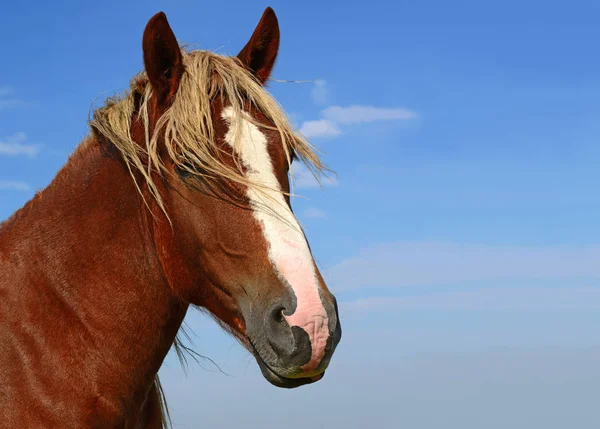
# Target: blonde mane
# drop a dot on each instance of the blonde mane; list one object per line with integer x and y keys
{"x": 187, "y": 124}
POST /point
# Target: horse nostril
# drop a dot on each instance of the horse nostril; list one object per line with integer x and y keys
{"x": 277, "y": 315}
{"x": 290, "y": 343}
{"x": 302, "y": 347}
{"x": 278, "y": 331}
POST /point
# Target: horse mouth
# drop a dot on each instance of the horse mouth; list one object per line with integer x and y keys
{"x": 284, "y": 382}
{"x": 278, "y": 380}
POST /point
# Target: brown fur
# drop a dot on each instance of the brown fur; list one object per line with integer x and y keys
{"x": 96, "y": 279}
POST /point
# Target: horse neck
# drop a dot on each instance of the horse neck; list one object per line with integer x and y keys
{"x": 80, "y": 266}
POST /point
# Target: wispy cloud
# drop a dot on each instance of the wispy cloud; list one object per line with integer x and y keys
{"x": 334, "y": 117}
{"x": 362, "y": 114}
{"x": 7, "y": 99}
{"x": 15, "y": 145}
{"x": 10, "y": 102}
{"x": 320, "y": 92}
{"x": 314, "y": 213}
{"x": 528, "y": 298}
{"x": 6, "y": 91}
{"x": 422, "y": 263}
{"x": 302, "y": 178}
{"x": 319, "y": 128}
{"x": 14, "y": 186}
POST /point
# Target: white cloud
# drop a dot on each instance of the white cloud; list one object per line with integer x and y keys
{"x": 314, "y": 213}
{"x": 6, "y": 101}
{"x": 335, "y": 116}
{"x": 302, "y": 178}
{"x": 320, "y": 93}
{"x": 14, "y": 186}
{"x": 6, "y": 90}
{"x": 10, "y": 102}
{"x": 319, "y": 128}
{"x": 551, "y": 298}
{"x": 15, "y": 145}
{"x": 362, "y": 114}
{"x": 422, "y": 263}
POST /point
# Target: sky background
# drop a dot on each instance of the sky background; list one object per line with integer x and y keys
{"x": 460, "y": 235}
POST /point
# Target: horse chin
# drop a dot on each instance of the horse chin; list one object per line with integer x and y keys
{"x": 284, "y": 382}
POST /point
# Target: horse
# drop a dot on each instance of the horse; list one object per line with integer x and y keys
{"x": 178, "y": 197}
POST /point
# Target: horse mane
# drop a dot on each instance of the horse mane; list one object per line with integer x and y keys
{"x": 188, "y": 126}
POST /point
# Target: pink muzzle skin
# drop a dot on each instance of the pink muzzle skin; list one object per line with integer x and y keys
{"x": 310, "y": 313}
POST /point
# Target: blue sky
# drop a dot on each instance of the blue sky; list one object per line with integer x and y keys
{"x": 460, "y": 234}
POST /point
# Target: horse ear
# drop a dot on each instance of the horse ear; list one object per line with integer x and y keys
{"x": 260, "y": 52}
{"x": 162, "y": 57}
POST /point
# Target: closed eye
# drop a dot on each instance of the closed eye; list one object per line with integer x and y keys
{"x": 188, "y": 170}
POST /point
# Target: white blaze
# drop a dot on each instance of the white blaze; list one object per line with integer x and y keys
{"x": 287, "y": 246}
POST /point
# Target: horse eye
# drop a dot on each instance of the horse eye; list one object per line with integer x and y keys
{"x": 188, "y": 170}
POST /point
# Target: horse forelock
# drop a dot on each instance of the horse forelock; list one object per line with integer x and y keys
{"x": 186, "y": 126}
